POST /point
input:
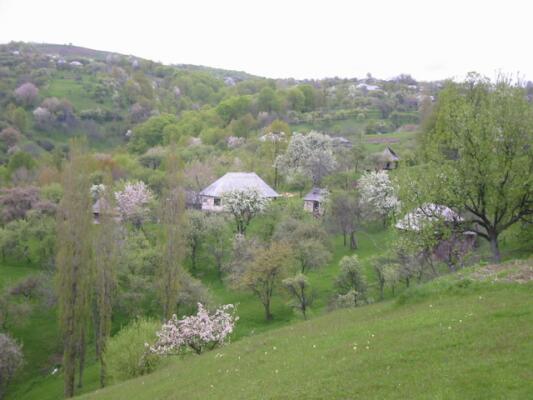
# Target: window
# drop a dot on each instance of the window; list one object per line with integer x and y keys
{"x": 217, "y": 201}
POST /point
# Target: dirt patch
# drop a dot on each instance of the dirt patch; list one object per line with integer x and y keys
{"x": 514, "y": 271}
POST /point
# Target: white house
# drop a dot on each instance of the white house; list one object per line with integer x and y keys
{"x": 211, "y": 196}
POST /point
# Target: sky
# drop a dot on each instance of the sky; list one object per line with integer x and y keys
{"x": 428, "y": 39}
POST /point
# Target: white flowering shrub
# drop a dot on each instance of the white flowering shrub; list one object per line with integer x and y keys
{"x": 97, "y": 191}
{"x": 378, "y": 195}
{"x": 203, "y": 331}
{"x": 132, "y": 202}
{"x": 244, "y": 205}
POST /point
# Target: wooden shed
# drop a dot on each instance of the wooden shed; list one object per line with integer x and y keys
{"x": 314, "y": 201}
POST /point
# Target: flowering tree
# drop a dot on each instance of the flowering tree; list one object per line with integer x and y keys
{"x": 378, "y": 194}
{"x": 11, "y": 360}
{"x": 97, "y": 191}
{"x": 244, "y": 205}
{"x": 26, "y": 93}
{"x": 132, "y": 202}
{"x": 196, "y": 332}
{"x": 310, "y": 155}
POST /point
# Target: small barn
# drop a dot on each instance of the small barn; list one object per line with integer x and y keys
{"x": 102, "y": 207}
{"x": 389, "y": 159}
{"x": 211, "y": 196}
{"x": 314, "y": 201}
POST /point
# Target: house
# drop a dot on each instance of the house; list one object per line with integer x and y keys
{"x": 430, "y": 212}
{"x": 101, "y": 207}
{"x": 314, "y": 201}
{"x": 389, "y": 159}
{"x": 211, "y": 196}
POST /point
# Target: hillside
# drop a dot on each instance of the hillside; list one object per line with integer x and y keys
{"x": 454, "y": 338}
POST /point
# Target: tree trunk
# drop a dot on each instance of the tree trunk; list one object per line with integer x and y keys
{"x": 495, "y": 247}
{"x": 268, "y": 313}
{"x": 82, "y": 359}
{"x": 344, "y": 237}
{"x": 353, "y": 241}
{"x": 69, "y": 365}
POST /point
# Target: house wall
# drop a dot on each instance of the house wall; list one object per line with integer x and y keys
{"x": 308, "y": 206}
{"x": 208, "y": 204}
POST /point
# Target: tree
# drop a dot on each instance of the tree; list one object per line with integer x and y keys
{"x": 479, "y": 157}
{"x": 266, "y": 270}
{"x": 11, "y": 360}
{"x": 132, "y": 202}
{"x": 105, "y": 258}
{"x": 378, "y": 195}
{"x": 74, "y": 266}
{"x": 16, "y": 202}
{"x": 200, "y": 332}
{"x": 151, "y": 132}
{"x": 173, "y": 241}
{"x": 298, "y": 287}
{"x": 344, "y": 215}
{"x": 308, "y": 239}
{"x": 10, "y": 136}
{"x": 311, "y": 254}
{"x": 268, "y": 100}
{"x": 244, "y": 205}
{"x": 351, "y": 279}
{"x": 196, "y": 234}
{"x": 26, "y": 94}
{"x": 310, "y": 154}
{"x": 218, "y": 239}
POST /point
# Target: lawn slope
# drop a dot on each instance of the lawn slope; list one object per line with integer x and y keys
{"x": 454, "y": 338}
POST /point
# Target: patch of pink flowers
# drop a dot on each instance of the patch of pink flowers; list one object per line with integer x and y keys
{"x": 132, "y": 201}
{"x": 200, "y": 332}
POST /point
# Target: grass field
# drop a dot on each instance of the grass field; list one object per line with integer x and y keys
{"x": 450, "y": 339}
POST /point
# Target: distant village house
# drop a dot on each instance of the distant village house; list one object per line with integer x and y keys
{"x": 314, "y": 201}
{"x": 211, "y": 196}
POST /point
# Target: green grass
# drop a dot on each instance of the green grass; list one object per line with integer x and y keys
{"x": 461, "y": 341}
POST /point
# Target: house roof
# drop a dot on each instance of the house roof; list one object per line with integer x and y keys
{"x": 238, "y": 181}
{"x": 389, "y": 155}
{"x": 429, "y": 212}
{"x": 102, "y": 206}
{"x": 316, "y": 194}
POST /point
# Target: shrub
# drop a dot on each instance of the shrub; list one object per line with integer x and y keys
{"x": 126, "y": 354}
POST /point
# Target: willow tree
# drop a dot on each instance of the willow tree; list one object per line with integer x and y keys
{"x": 74, "y": 267}
{"x": 479, "y": 156}
{"x": 105, "y": 253}
{"x": 173, "y": 237}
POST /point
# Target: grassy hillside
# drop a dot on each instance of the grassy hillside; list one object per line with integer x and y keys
{"x": 454, "y": 338}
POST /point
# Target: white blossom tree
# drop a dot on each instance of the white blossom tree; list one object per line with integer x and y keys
{"x": 132, "y": 202}
{"x": 244, "y": 205}
{"x": 203, "y": 331}
{"x": 11, "y": 360}
{"x": 310, "y": 155}
{"x": 378, "y": 195}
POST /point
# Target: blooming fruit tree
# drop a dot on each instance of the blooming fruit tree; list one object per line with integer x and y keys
{"x": 244, "y": 205}
{"x": 378, "y": 194}
{"x": 203, "y": 331}
{"x": 132, "y": 202}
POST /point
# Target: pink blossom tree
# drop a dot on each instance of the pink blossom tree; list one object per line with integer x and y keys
{"x": 132, "y": 202}
{"x": 26, "y": 93}
{"x": 200, "y": 332}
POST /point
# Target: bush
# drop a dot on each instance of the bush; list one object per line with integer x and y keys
{"x": 126, "y": 354}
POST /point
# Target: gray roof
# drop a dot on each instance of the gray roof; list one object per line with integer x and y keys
{"x": 238, "y": 181}
{"x": 389, "y": 155}
{"x": 316, "y": 194}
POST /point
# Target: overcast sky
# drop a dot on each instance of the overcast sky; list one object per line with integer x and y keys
{"x": 429, "y": 39}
